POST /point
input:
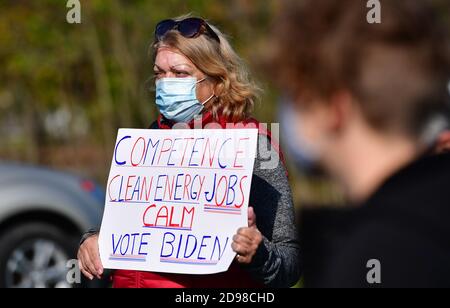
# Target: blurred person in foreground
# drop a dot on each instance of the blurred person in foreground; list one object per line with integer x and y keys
{"x": 368, "y": 102}
{"x": 201, "y": 80}
{"x": 443, "y": 142}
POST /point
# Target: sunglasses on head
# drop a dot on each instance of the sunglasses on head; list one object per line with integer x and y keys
{"x": 189, "y": 28}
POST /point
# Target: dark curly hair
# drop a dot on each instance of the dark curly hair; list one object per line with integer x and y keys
{"x": 398, "y": 71}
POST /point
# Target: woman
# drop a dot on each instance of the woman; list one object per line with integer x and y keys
{"x": 368, "y": 103}
{"x": 198, "y": 75}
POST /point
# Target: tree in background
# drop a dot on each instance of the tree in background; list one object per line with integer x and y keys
{"x": 66, "y": 88}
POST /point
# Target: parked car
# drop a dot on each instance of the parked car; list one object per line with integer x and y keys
{"x": 43, "y": 214}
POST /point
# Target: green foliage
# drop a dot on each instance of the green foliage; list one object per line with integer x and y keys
{"x": 100, "y": 69}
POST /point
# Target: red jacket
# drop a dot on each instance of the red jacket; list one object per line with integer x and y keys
{"x": 235, "y": 277}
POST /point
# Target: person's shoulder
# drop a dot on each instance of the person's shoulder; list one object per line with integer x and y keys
{"x": 415, "y": 194}
{"x": 435, "y": 163}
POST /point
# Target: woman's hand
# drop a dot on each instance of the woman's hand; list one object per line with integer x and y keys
{"x": 89, "y": 258}
{"x": 247, "y": 240}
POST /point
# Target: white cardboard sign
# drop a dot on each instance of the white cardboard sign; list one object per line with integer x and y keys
{"x": 175, "y": 199}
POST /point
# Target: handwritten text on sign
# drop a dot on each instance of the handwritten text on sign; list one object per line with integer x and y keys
{"x": 175, "y": 198}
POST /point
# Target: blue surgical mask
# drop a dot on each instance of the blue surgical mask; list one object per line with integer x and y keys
{"x": 176, "y": 99}
{"x": 303, "y": 153}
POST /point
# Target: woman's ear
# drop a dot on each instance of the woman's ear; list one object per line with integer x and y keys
{"x": 217, "y": 86}
{"x": 213, "y": 86}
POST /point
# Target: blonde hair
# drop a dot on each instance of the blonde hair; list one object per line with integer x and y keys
{"x": 235, "y": 93}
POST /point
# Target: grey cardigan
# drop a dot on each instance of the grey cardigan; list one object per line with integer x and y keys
{"x": 277, "y": 261}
